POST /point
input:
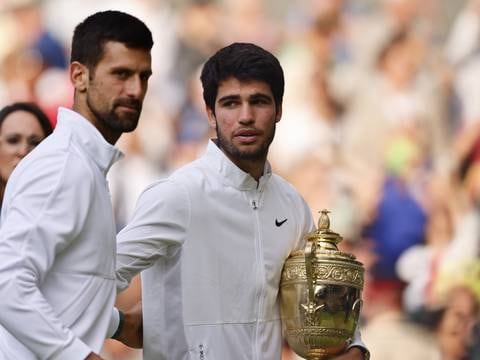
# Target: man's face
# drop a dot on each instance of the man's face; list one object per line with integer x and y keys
{"x": 117, "y": 86}
{"x": 245, "y": 118}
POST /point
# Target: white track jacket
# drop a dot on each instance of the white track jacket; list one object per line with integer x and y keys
{"x": 57, "y": 247}
{"x": 213, "y": 243}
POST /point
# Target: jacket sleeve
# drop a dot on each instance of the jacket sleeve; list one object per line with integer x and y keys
{"x": 44, "y": 211}
{"x": 157, "y": 229}
{"x": 357, "y": 340}
{"x": 305, "y": 222}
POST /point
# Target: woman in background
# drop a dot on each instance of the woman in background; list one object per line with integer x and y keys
{"x": 22, "y": 127}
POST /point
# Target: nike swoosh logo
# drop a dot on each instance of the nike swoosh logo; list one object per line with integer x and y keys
{"x": 280, "y": 223}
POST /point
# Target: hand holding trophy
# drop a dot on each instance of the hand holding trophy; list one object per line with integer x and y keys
{"x": 320, "y": 295}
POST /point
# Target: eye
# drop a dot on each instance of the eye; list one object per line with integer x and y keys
{"x": 33, "y": 142}
{"x": 229, "y": 103}
{"x": 122, "y": 74}
{"x": 13, "y": 140}
{"x": 261, "y": 101}
{"x": 145, "y": 76}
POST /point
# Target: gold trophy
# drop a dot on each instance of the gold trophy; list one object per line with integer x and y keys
{"x": 320, "y": 295}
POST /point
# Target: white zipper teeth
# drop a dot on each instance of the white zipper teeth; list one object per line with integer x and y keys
{"x": 261, "y": 276}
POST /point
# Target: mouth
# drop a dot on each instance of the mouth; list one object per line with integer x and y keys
{"x": 127, "y": 109}
{"x": 247, "y": 136}
{"x": 131, "y": 107}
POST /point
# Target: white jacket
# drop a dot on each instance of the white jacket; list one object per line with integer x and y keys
{"x": 214, "y": 244}
{"x": 57, "y": 247}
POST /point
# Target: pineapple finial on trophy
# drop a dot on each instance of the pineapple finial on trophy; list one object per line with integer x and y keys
{"x": 324, "y": 221}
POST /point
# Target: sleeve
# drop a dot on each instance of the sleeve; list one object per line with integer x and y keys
{"x": 157, "y": 229}
{"x": 306, "y": 223}
{"x": 114, "y": 323}
{"x": 357, "y": 341}
{"x": 45, "y": 211}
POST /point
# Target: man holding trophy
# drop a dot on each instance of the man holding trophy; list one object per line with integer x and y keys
{"x": 211, "y": 240}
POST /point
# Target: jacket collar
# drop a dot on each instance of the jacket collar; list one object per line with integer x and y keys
{"x": 93, "y": 142}
{"x": 231, "y": 173}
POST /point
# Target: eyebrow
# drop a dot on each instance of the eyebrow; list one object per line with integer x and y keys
{"x": 257, "y": 95}
{"x": 130, "y": 70}
{"x": 228, "y": 98}
{"x": 261, "y": 96}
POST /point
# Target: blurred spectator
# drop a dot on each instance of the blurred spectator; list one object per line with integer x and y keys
{"x": 36, "y": 50}
{"x": 22, "y": 127}
{"x": 250, "y": 21}
{"x": 191, "y": 125}
{"x": 418, "y": 267}
{"x": 197, "y": 38}
{"x": 388, "y": 333}
{"x": 310, "y": 111}
{"x": 399, "y": 224}
{"x": 456, "y": 328}
{"x": 399, "y": 100}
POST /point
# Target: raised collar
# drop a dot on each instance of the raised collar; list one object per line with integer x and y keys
{"x": 93, "y": 142}
{"x": 231, "y": 173}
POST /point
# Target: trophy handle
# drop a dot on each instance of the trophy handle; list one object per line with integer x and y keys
{"x": 310, "y": 307}
{"x": 356, "y": 309}
{"x": 309, "y": 258}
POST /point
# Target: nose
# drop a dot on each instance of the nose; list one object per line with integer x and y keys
{"x": 135, "y": 87}
{"x": 23, "y": 149}
{"x": 246, "y": 114}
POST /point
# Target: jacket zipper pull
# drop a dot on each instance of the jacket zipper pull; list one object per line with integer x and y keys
{"x": 254, "y": 205}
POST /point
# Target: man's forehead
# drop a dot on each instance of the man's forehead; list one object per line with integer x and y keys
{"x": 117, "y": 52}
{"x": 235, "y": 86}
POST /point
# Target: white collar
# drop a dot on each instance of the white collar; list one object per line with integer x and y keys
{"x": 100, "y": 151}
{"x": 232, "y": 174}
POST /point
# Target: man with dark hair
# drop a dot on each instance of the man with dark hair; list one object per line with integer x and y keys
{"x": 213, "y": 237}
{"x": 57, "y": 233}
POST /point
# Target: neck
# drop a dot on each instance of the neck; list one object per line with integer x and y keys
{"x": 254, "y": 168}
{"x": 108, "y": 134}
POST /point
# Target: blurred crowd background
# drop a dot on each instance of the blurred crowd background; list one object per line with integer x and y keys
{"x": 381, "y": 125}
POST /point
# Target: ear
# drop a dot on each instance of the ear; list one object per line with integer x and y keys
{"x": 79, "y": 76}
{"x": 212, "y": 121}
{"x": 278, "y": 116}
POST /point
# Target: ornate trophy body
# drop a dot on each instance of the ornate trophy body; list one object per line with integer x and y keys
{"x": 320, "y": 295}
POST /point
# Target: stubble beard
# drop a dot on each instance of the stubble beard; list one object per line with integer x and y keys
{"x": 119, "y": 124}
{"x": 257, "y": 154}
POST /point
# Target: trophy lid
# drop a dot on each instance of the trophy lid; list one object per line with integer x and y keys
{"x": 323, "y": 237}
{"x": 325, "y": 241}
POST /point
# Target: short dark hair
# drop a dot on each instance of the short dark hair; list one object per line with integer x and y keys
{"x": 32, "y": 109}
{"x": 90, "y": 36}
{"x": 243, "y": 61}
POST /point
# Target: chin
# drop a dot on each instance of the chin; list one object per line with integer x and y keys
{"x": 128, "y": 124}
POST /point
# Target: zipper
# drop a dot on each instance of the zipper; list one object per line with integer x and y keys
{"x": 260, "y": 273}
